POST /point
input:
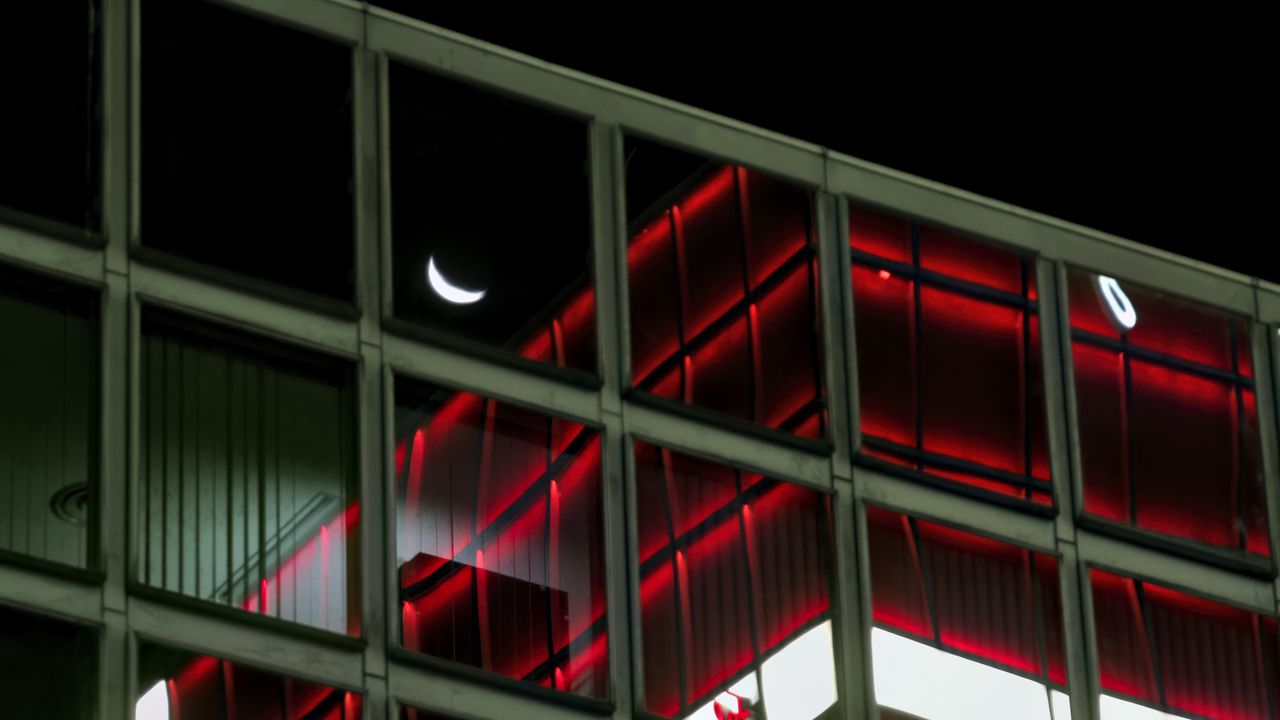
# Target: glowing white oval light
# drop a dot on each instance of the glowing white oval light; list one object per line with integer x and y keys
{"x": 154, "y": 705}
{"x": 449, "y": 291}
{"x": 1117, "y": 302}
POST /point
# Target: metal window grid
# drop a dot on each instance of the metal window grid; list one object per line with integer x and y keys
{"x": 103, "y": 597}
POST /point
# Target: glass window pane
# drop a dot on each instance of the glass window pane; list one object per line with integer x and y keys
{"x": 50, "y": 130}
{"x": 48, "y": 428}
{"x": 50, "y": 668}
{"x": 949, "y": 370}
{"x": 735, "y": 572}
{"x": 178, "y": 685}
{"x": 965, "y": 626}
{"x": 500, "y": 542}
{"x": 491, "y": 220}
{"x": 1182, "y": 654}
{"x": 247, "y": 490}
{"x": 723, "y": 283}
{"x": 1168, "y": 415}
{"x": 247, "y": 147}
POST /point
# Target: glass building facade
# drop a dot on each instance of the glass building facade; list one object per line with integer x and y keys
{"x": 357, "y": 369}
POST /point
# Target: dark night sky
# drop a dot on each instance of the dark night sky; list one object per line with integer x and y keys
{"x": 1154, "y": 133}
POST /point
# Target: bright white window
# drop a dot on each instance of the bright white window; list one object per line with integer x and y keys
{"x": 924, "y": 681}
{"x": 154, "y": 705}
{"x": 800, "y": 679}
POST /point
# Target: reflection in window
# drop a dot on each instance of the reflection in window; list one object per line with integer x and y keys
{"x": 1164, "y": 651}
{"x": 50, "y": 130}
{"x": 48, "y": 426}
{"x": 723, "y": 283}
{"x": 491, "y": 216}
{"x": 949, "y": 369}
{"x": 735, "y": 578}
{"x": 965, "y": 626}
{"x": 50, "y": 668}
{"x": 247, "y": 491}
{"x": 1168, "y": 417}
{"x": 500, "y": 538}
{"x": 247, "y": 146}
{"x": 177, "y": 685}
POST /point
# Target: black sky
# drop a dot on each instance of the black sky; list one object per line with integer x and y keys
{"x": 1158, "y": 131}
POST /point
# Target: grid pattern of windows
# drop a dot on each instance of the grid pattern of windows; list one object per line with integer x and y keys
{"x": 415, "y": 379}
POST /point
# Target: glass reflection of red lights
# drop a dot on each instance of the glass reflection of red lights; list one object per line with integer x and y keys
{"x": 1185, "y": 654}
{"x": 948, "y": 352}
{"x": 1168, "y": 423}
{"x": 967, "y": 594}
{"x": 209, "y": 688}
{"x": 723, "y": 306}
{"x": 500, "y": 543}
{"x": 732, "y": 565}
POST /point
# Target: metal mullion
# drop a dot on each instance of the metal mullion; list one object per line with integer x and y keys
{"x": 27, "y": 248}
{"x": 1266, "y": 364}
{"x": 835, "y": 306}
{"x": 971, "y": 514}
{"x": 456, "y": 692}
{"x": 1205, "y": 579}
{"x": 495, "y": 380}
{"x": 336, "y": 661}
{"x": 1080, "y": 647}
{"x": 227, "y": 306}
{"x": 852, "y": 604}
{"x": 1059, "y": 396}
{"x": 625, "y": 665}
{"x": 635, "y": 605}
{"x": 686, "y": 434}
{"x": 1071, "y": 436}
{"x": 74, "y": 597}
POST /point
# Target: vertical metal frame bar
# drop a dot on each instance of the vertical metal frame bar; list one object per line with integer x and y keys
{"x": 1072, "y": 417}
{"x": 390, "y": 602}
{"x": 1077, "y": 627}
{"x": 632, "y": 568}
{"x": 852, "y": 650}
{"x": 383, "y": 167}
{"x": 865, "y": 619}
{"x": 849, "y": 326}
{"x": 1093, "y": 683}
{"x": 834, "y": 283}
{"x": 1265, "y": 345}
{"x": 1055, "y": 348}
{"x": 608, "y": 254}
{"x": 130, "y": 208}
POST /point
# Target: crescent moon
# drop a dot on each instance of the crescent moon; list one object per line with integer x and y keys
{"x": 447, "y": 290}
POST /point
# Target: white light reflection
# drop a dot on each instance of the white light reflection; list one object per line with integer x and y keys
{"x": 800, "y": 680}
{"x": 1118, "y": 303}
{"x": 154, "y": 705}
{"x": 929, "y": 683}
{"x": 449, "y": 291}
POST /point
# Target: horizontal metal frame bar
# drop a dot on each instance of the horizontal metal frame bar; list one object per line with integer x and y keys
{"x": 685, "y": 434}
{"x": 411, "y": 683}
{"x": 977, "y": 516}
{"x": 215, "y": 302}
{"x": 37, "y": 589}
{"x": 948, "y": 462}
{"x": 160, "y": 623}
{"x": 1100, "y": 550}
{"x": 496, "y": 380}
{"x": 35, "y": 251}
